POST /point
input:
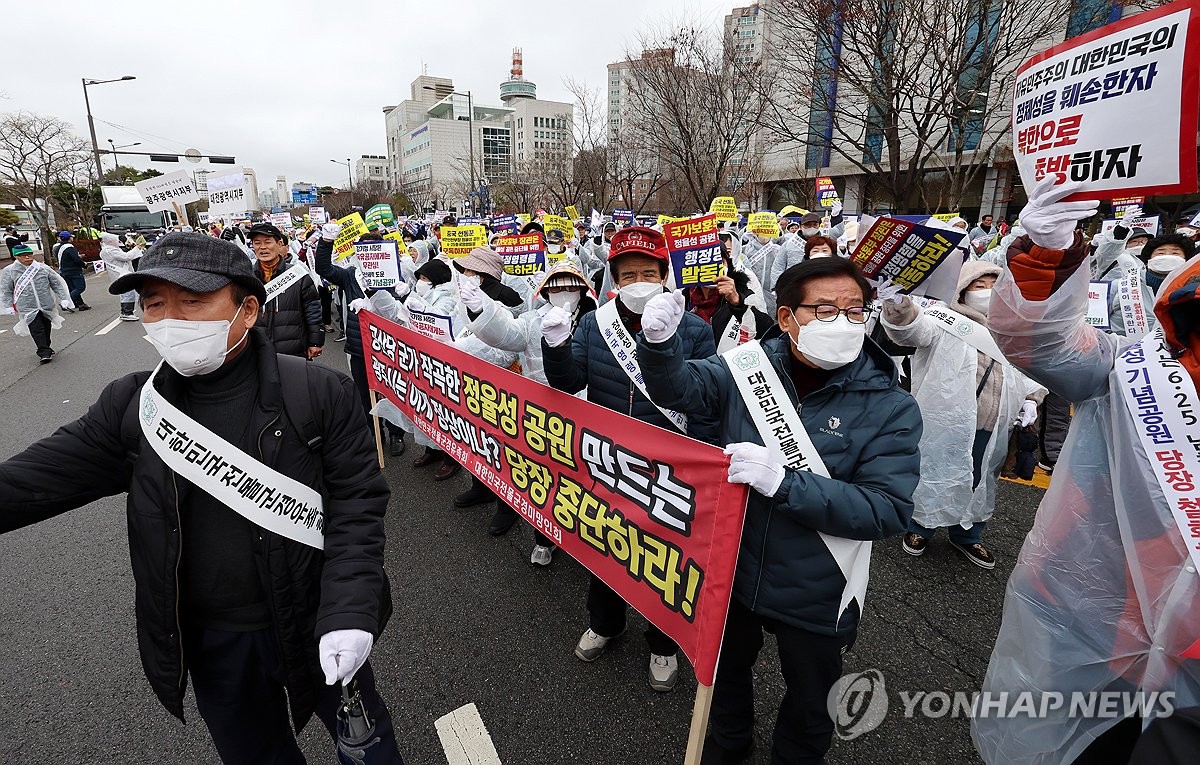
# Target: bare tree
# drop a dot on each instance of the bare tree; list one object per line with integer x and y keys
{"x": 35, "y": 153}
{"x": 899, "y": 88}
{"x": 590, "y": 155}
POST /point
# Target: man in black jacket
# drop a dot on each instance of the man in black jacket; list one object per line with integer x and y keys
{"x": 292, "y": 312}
{"x": 262, "y": 464}
{"x": 70, "y": 267}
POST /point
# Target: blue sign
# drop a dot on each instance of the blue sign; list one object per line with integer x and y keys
{"x": 304, "y": 197}
{"x": 623, "y": 216}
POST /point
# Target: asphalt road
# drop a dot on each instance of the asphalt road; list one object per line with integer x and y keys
{"x": 474, "y": 621}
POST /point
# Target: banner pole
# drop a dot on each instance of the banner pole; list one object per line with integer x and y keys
{"x": 700, "y": 710}
{"x": 378, "y": 433}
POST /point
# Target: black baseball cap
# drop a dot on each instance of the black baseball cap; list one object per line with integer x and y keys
{"x": 196, "y": 262}
{"x": 265, "y": 229}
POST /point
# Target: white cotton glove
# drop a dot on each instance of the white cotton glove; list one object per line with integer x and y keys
{"x": 754, "y": 465}
{"x": 402, "y": 289}
{"x": 358, "y": 304}
{"x": 471, "y": 295}
{"x": 1049, "y": 222}
{"x": 661, "y": 316}
{"x": 415, "y": 303}
{"x": 1130, "y": 215}
{"x": 835, "y": 209}
{"x": 556, "y": 326}
{"x": 887, "y": 292}
{"x": 1028, "y": 414}
{"x": 343, "y": 652}
{"x": 67, "y": 304}
{"x": 330, "y": 231}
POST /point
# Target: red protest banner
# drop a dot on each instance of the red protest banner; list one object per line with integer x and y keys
{"x": 1079, "y": 108}
{"x": 647, "y": 511}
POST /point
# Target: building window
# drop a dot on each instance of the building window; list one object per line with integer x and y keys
{"x": 1087, "y": 15}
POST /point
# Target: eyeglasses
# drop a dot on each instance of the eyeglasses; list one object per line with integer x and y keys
{"x": 854, "y": 314}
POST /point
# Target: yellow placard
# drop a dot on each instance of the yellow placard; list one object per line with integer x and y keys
{"x": 945, "y": 216}
{"x": 458, "y": 241}
{"x": 559, "y": 223}
{"x": 725, "y": 208}
{"x": 665, "y": 219}
{"x": 524, "y": 218}
{"x": 791, "y": 210}
{"x": 397, "y": 236}
{"x": 352, "y": 228}
{"x": 763, "y": 224}
{"x": 572, "y": 213}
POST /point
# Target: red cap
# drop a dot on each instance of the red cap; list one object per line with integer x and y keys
{"x": 641, "y": 240}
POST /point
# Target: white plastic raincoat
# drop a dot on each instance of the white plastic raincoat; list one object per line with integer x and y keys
{"x": 40, "y": 295}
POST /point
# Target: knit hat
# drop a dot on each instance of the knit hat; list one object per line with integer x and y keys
{"x": 435, "y": 271}
{"x": 483, "y": 261}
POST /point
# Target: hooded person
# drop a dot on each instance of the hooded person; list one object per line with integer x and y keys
{"x": 34, "y": 292}
{"x": 564, "y": 287}
{"x": 1118, "y": 261}
{"x": 733, "y": 307}
{"x": 584, "y": 354}
{"x": 1103, "y": 599}
{"x": 118, "y": 263}
{"x": 970, "y": 396}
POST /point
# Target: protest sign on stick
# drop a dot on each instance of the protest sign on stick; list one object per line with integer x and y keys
{"x": 352, "y": 228}
{"x": 168, "y": 192}
{"x": 827, "y": 193}
{"x": 908, "y": 254}
{"x": 523, "y": 254}
{"x": 378, "y": 264}
{"x": 725, "y": 208}
{"x": 696, "y": 258}
{"x": 458, "y": 241}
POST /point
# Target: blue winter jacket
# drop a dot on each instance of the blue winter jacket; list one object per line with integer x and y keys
{"x": 866, "y": 429}
{"x": 586, "y": 362}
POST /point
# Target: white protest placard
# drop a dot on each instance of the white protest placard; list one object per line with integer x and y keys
{"x": 432, "y": 325}
{"x": 227, "y": 194}
{"x": 1114, "y": 109}
{"x": 317, "y": 216}
{"x": 1097, "y": 305}
{"x": 281, "y": 221}
{"x": 378, "y": 263}
{"x": 164, "y": 192}
{"x": 1148, "y": 223}
{"x": 1195, "y": 222}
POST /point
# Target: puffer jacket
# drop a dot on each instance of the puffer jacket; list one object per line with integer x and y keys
{"x": 293, "y": 320}
{"x": 311, "y": 592}
{"x": 866, "y": 429}
{"x": 586, "y": 362}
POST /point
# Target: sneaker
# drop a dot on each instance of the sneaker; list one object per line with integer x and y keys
{"x": 664, "y": 671}
{"x": 83, "y": 307}
{"x": 977, "y": 554}
{"x": 715, "y": 754}
{"x": 591, "y": 645}
{"x": 396, "y": 444}
{"x": 341, "y": 338}
{"x": 45, "y": 359}
{"x": 542, "y": 555}
{"x": 69, "y": 310}
{"x": 478, "y": 494}
{"x": 914, "y": 544}
{"x": 128, "y": 317}
{"x": 1047, "y": 467}
{"x": 502, "y": 520}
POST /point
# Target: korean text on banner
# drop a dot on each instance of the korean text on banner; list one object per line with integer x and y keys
{"x": 523, "y": 254}
{"x": 725, "y": 208}
{"x": 380, "y": 215}
{"x": 352, "y": 228}
{"x": 378, "y": 263}
{"x": 1097, "y": 305}
{"x": 559, "y": 223}
{"x": 1149, "y": 223}
{"x": 623, "y": 216}
{"x": 1115, "y": 109}
{"x": 506, "y": 224}
{"x": 1121, "y": 204}
{"x": 316, "y": 215}
{"x": 572, "y": 213}
{"x": 227, "y": 194}
{"x": 905, "y": 253}
{"x": 281, "y": 221}
{"x": 661, "y": 527}
{"x": 665, "y": 219}
{"x": 695, "y": 251}
{"x": 458, "y": 241}
{"x": 763, "y": 224}
{"x": 945, "y": 217}
{"x": 827, "y": 193}
{"x": 163, "y": 192}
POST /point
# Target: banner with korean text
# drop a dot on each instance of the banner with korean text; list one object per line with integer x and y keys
{"x": 695, "y": 251}
{"x": 646, "y": 510}
{"x": 910, "y": 255}
{"x": 1114, "y": 109}
{"x": 523, "y": 254}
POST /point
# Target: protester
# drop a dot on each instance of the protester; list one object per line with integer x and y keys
{"x": 985, "y": 228}
{"x": 291, "y": 313}
{"x": 28, "y": 290}
{"x": 433, "y": 293}
{"x": 13, "y": 239}
{"x": 1103, "y": 596}
{"x": 585, "y": 357}
{"x": 969, "y": 398}
{"x": 1118, "y": 262}
{"x": 71, "y": 268}
{"x": 818, "y": 246}
{"x": 119, "y": 263}
{"x": 1164, "y": 254}
{"x": 805, "y": 552}
{"x": 733, "y": 307}
{"x": 247, "y": 611}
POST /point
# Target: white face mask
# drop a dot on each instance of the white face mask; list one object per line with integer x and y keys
{"x": 192, "y": 347}
{"x": 1164, "y": 264}
{"x": 636, "y": 295}
{"x": 554, "y": 249}
{"x": 423, "y": 287}
{"x": 980, "y": 300}
{"x": 831, "y": 344}
{"x": 807, "y": 232}
{"x": 567, "y": 301}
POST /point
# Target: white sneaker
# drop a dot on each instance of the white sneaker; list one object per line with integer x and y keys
{"x": 664, "y": 671}
{"x": 590, "y": 646}
{"x": 541, "y": 555}
{"x": 129, "y": 317}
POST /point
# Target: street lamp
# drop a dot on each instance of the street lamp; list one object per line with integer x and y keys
{"x": 470, "y": 127}
{"x": 348, "y": 177}
{"x": 116, "y": 162}
{"x": 91, "y": 124}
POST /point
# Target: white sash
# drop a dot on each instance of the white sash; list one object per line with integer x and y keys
{"x": 621, "y": 344}
{"x": 779, "y": 425}
{"x": 1153, "y": 384}
{"x": 25, "y": 279}
{"x": 737, "y": 332}
{"x": 975, "y": 335}
{"x": 282, "y": 281}
{"x": 260, "y": 494}
{"x": 1133, "y": 308}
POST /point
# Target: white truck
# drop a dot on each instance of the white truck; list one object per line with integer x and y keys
{"x": 123, "y": 211}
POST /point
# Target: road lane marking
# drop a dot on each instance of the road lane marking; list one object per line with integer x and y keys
{"x": 109, "y": 327}
{"x": 465, "y": 739}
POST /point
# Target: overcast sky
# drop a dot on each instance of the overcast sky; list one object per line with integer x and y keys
{"x": 286, "y": 86}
